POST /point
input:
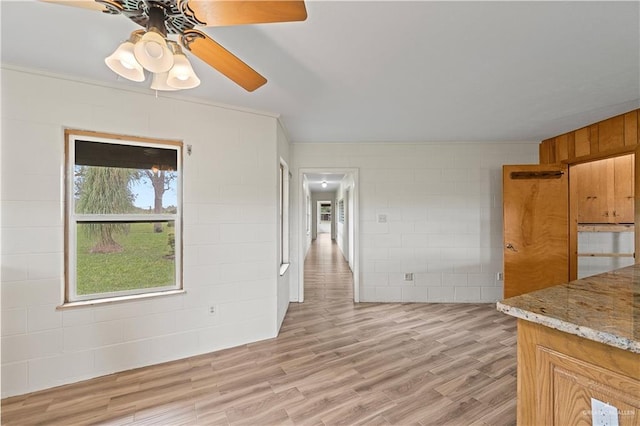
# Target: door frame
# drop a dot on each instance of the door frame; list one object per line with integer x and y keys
{"x": 317, "y": 215}
{"x": 355, "y": 223}
{"x": 573, "y": 202}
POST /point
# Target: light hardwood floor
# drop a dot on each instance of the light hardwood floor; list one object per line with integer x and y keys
{"x": 334, "y": 363}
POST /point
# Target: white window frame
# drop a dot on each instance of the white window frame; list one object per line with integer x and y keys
{"x": 283, "y": 216}
{"x": 71, "y": 297}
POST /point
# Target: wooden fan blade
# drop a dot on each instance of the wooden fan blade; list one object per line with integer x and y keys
{"x": 239, "y": 12}
{"x": 84, "y": 4}
{"x": 221, "y": 59}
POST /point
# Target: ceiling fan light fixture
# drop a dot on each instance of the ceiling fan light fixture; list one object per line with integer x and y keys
{"x": 153, "y": 53}
{"x": 182, "y": 76}
{"x": 123, "y": 62}
{"x": 159, "y": 82}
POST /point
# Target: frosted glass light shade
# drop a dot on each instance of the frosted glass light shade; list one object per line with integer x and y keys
{"x": 152, "y": 52}
{"x": 123, "y": 62}
{"x": 181, "y": 76}
{"x": 159, "y": 82}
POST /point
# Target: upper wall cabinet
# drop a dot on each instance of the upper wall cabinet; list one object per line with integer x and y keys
{"x": 591, "y": 179}
{"x": 605, "y": 190}
{"x": 611, "y": 136}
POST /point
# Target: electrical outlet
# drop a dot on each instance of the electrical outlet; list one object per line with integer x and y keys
{"x": 603, "y": 414}
{"x": 408, "y": 276}
{"x": 213, "y": 310}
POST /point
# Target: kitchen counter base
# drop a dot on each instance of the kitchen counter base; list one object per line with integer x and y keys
{"x": 559, "y": 373}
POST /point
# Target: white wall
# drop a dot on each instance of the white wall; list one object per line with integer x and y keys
{"x": 444, "y": 215}
{"x": 230, "y": 217}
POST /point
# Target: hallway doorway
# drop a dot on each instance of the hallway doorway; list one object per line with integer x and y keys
{"x": 324, "y": 218}
{"x": 327, "y": 275}
{"x": 328, "y": 234}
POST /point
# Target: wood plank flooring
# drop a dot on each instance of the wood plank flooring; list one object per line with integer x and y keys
{"x": 334, "y": 363}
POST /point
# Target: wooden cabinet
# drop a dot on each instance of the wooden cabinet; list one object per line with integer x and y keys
{"x": 559, "y": 373}
{"x": 623, "y": 189}
{"x": 592, "y": 182}
{"x": 605, "y": 190}
{"x": 574, "y": 382}
{"x": 613, "y": 136}
{"x": 611, "y": 133}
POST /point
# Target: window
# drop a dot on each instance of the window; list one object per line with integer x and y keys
{"x": 123, "y": 211}
{"x": 325, "y": 212}
{"x": 283, "y": 214}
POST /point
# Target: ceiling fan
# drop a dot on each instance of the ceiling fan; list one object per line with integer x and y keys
{"x": 152, "y": 50}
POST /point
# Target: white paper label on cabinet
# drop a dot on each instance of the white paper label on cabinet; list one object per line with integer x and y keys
{"x": 603, "y": 414}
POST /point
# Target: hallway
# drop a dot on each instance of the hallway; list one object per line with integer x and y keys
{"x": 326, "y": 273}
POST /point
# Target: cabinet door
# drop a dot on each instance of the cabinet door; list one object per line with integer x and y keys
{"x": 581, "y": 174}
{"x": 611, "y": 133}
{"x": 592, "y": 181}
{"x": 567, "y": 384}
{"x": 623, "y": 210}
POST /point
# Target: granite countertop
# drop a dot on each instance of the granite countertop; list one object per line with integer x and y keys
{"x": 604, "y": 308}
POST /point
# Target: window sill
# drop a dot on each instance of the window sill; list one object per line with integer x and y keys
{"x": 283, "y": 268}
{"x": 108, "y": 300}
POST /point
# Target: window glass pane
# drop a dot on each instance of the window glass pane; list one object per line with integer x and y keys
{"x": 124, "y": 256}
{"x": 115, "y": 190}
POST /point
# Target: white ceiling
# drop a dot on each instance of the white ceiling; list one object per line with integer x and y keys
{"x": 367, "y": 71}
{"x": 315, "y": 181}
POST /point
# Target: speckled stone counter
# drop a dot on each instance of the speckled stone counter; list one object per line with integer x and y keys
{"x": 604, "y": 308}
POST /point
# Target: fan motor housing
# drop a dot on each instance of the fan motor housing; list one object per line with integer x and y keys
{"x": 177, "y": 15}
